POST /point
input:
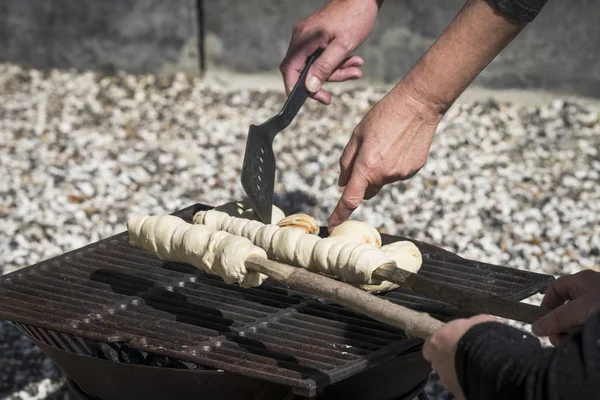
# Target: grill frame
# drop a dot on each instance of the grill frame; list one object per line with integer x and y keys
{"x": 270, "y": 333}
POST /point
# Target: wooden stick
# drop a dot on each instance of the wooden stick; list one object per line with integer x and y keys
{"x": 415, "y": 324}
{"x": 465, "y": 300}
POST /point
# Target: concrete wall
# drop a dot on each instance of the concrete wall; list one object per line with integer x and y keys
{"x": 134, "y": 35}
{"x": 559, "y": 50}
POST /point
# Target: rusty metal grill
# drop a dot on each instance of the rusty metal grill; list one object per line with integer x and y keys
{"x": 110, "y": 292}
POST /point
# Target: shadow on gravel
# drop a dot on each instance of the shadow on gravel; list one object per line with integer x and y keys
{"x": 294, "y": 202}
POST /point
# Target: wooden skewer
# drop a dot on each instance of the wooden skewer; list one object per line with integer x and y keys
{"x": 415, "y": 324}
{"x": 464, "y": 300}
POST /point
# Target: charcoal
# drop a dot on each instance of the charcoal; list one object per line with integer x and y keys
{"x": 132, "y": 356}
{"x": 155, "y": 360}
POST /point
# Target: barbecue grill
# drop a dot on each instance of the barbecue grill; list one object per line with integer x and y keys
{"x": 122, "y": 324}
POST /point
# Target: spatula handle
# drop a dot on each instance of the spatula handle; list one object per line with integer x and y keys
{"x": 297, "y": 97}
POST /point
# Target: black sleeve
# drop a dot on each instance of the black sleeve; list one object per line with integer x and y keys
{"x": 520, "y": 10}
{"x": 496, "y": 361}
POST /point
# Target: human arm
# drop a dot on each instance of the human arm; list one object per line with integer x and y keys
{"x": 492, "y": 360}
{"x": 392, "y": 141}
{"x": 495, "y": 361}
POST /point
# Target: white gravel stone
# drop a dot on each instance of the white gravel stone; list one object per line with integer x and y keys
{"x": 80, "y": 152}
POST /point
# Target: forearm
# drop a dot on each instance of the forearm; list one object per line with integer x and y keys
{"x": 473, "y": 39}
{"x": 495, "y": 361}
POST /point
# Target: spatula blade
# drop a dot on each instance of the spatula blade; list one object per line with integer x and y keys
{"x": 258, "y": 172}
{"x": 258, "y": 168}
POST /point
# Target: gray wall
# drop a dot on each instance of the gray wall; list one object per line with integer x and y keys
{"x": 134, "y": 35}
{"x": 559, "y": 50}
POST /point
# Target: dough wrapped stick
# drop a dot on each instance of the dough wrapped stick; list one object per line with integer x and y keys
{"x": 214, "y": 251}
{"x": 346, "y": 259}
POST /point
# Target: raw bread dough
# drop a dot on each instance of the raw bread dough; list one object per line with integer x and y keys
{"x": 264, "y": 238}
{"x": 165, "y": 227}
{"x": 284, "y": 242}
{"x": 304, "y": 222}
{"x": 319, "y": 256}
{"x": 358, "y": 232}
{"x": 251, "y": 229}
{"x": 304, "y": 251}
{"x": 346, "y": 255}
{"x": 230, "y": 255}
{"x": 406, "y": 254}
{"x": 216, "y": 252}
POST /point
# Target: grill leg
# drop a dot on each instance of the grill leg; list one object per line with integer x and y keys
{"x": 422, "y": 396}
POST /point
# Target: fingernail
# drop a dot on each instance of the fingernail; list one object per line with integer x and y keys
{"x": 313, "y": 84}
{"x": 539, "y": 328}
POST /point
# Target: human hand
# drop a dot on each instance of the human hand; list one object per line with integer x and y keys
{"x": 440, "y": 350}
{"x": 391, "y": 143}
{"x": 339, "y": 28}
{"x": 572, "y": 298}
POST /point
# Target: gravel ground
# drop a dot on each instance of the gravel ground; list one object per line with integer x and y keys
{"x": 79, "y": 152}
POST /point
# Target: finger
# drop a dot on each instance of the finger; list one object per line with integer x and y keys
{"x": 347, "y": 160}
{"x": 322, "y": 96}
{"x": 353, "y": 61}
{"x": 295, "y": 60}
{"x": 351, "y": 198}
{"x": 561, "y": 319}
{"x": 428, "y": 350}
{"x": 372, "y": 191}
{"x": 556, "y": 339}
{"x": 560, "y": 291}
{"x": 324, "y": 66}
{"x": 345, "y": 74}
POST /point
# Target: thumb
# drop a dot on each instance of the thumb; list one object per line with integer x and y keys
{"x": 333, "y": 55}
{"x": 561, "y": 319}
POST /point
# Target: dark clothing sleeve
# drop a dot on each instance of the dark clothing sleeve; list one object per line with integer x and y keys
{"x": 520, "y": 10}
{"x": 496, "y": 361}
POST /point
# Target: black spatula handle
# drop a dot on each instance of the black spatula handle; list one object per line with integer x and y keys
{"x": 297, "y": 97}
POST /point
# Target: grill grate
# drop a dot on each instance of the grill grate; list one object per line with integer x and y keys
{"x": 111, "y": 292}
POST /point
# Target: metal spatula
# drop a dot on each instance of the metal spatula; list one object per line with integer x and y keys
{"x": 258, "y": 169}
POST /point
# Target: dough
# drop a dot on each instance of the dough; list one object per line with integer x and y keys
{"x": 358, "y": 232}
{"x": 194, "y": 243}
{"x": 362, "y": 263}
{"x": 230, "y": 255}
{"x": 147, "y": 235}
{"x": 177, "y": 251}
{"x": 212, "y": 219}
{"x": 208, "y": 257}
{"x": 304, "y": 222}
{"x": 348, "y": 254}
{"x": 216, "y": 252}
{"x": 304, "y": 251}
{"x": 319, "y": 256}
{"x": 332, "y": 257}
{"x": 251, "y": 229}
{"x": 165, "y": 227}
{"x": 284, "y": 243}
{"x": 134, "y": 227}
{"x": 406, "y": 254}
{"x": 236, "y": 227}
{"x": 264, "y": 237}
{"x": 347, "y": 271}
